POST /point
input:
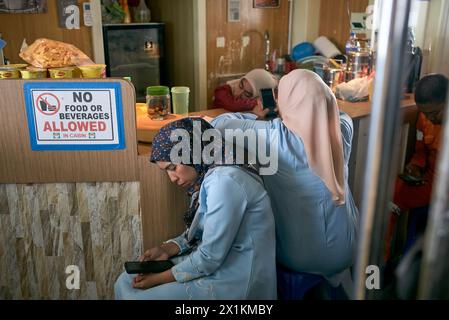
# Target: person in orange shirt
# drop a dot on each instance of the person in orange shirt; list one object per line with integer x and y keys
{"x": 430, "y": 97}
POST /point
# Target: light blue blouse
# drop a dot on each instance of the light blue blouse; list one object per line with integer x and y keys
{"x": 313, "y": 234}
{"x": 235, "y": 255}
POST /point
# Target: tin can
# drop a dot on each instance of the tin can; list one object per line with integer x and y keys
{"x": 62, "y": 73}
{"x": 9, "y": 73}
{"x": 93, "y": 71}
{"x": 33, "y": 73}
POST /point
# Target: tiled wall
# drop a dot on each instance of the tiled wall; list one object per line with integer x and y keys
{"x": 45, "y": 228}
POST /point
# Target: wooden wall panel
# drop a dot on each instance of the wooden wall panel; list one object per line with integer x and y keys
{"x": 16, "y": 27}
{"x": 45, "y": 228}
{"x": 19, "y": 164}
{"x": 234, "y": 58}
{"x": 178, "y": 18}
{"x": 334, "y": 19}
{"x": 163, "y": 204}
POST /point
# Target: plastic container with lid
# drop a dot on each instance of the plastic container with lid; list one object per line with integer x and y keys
{"x": 158, "y": 102}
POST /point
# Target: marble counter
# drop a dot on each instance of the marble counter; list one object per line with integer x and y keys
{"x": 46, "y": 227}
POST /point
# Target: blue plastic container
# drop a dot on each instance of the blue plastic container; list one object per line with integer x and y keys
{"x": 303, "y": 50}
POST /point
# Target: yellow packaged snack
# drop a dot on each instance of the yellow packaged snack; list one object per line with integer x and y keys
{"x": 33, "y": 73}
{"x": 93, "y": 70}
{"x": 62, "y": 73}
{"x": 9, "y": 72}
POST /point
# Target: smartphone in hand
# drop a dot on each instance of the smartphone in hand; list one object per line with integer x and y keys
{"x": 137, "y": 267}
{"x": 268, "y": 101}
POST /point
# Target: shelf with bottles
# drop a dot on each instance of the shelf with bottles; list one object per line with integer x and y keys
{"x": 125, "y": 11}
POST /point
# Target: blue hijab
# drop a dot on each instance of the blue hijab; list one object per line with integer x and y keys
{"x": 162, "y": 146}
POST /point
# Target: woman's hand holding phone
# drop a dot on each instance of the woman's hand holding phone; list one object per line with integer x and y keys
{"x": 163, "y": 252}
{"x": 150, "y": 280}
{"x": 269, "y": 102}
{"x": 259, "y": 110}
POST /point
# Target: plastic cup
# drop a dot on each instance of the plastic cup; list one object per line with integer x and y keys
{"x": 180, "y": 100}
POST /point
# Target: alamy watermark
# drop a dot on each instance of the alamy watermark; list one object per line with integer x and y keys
{"x": 372, "y": 281}
{"x": 72, "y": 281}
{"x": 241, "y": 147}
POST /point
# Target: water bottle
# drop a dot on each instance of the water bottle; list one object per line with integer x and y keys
{"x": 142, "y": 13}
{"x": 351, "y": 45}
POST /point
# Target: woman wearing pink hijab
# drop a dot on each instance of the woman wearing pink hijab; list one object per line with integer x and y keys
{"x": 315, "y": 214}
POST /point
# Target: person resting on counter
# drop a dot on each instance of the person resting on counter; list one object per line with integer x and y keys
{"x": 242, "y": 94}
{"x": 228, "y": 249}
{"x": 314, "y": 211}
{"x": 414, "y": 190}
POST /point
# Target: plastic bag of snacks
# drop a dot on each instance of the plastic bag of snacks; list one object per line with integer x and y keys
{"x": 355, "y": 90}
{"x": 45, "y": 53}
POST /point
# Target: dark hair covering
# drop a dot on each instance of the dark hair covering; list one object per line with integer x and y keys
{"x": 162, "y": 146}
{"x": 431, "y": 89}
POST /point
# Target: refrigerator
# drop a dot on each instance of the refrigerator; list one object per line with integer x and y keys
{"x": 136, "y": 50}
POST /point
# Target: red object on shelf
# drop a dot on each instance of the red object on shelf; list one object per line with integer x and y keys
{"x": 271, "y": 66}
{"x": 288, "y": 66}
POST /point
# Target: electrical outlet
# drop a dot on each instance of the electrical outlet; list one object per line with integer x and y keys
{"x": 88, "y": 22}
{"x": 221, "y": 42}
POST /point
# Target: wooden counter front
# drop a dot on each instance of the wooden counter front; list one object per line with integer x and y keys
{"x": 19, "y": 164}
{"x": 61, "y": 208}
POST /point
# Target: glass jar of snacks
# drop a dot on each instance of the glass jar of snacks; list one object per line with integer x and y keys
{"x": 158, "y": 102}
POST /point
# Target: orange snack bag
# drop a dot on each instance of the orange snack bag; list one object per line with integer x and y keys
{"x": 46, "y": 53}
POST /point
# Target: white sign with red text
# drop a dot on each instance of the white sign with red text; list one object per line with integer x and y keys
{"x": 74, "y": 117}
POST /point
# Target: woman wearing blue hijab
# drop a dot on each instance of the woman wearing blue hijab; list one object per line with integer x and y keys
{"x": 228, "y": 249}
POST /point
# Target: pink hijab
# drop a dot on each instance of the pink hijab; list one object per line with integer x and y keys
{"x": 309, "y": 109}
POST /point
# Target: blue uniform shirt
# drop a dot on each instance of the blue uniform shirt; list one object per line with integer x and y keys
{"x": 313, "y": 234}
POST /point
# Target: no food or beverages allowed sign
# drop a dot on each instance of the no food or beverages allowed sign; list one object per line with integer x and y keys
{"x": 75, "y": 115}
